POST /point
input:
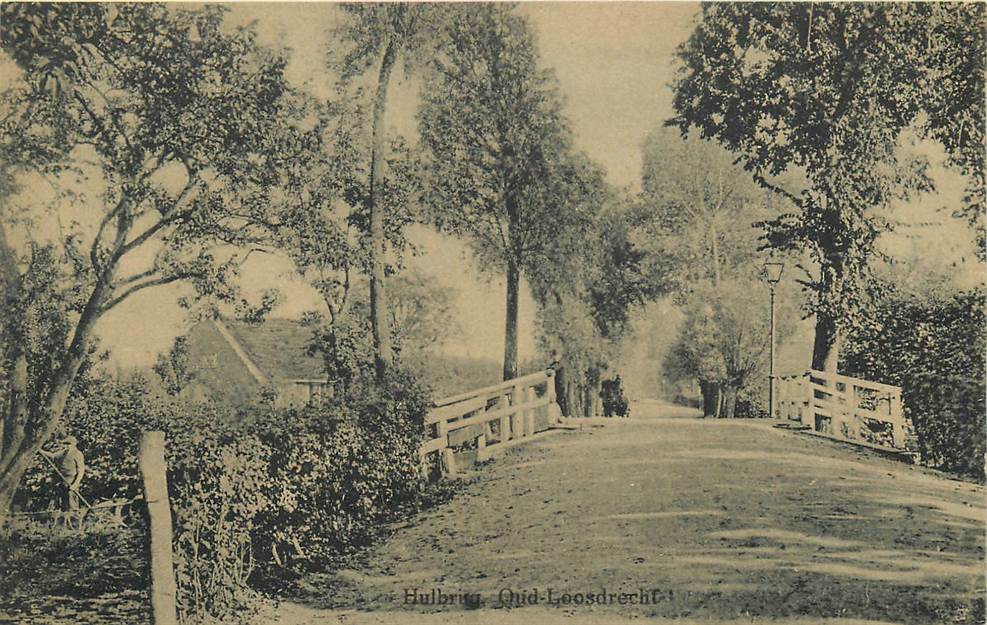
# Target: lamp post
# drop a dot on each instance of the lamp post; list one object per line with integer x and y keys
{"x": 772, "y": 275}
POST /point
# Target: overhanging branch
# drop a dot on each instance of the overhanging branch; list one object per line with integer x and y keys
{"x": 162, "y": 280}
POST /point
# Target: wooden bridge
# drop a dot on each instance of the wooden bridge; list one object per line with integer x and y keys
{"x": 850, "y": 409}
{"x": 494, "y": 415}
{"x": 675, "y": 520}
{"x": 462, "y": 428}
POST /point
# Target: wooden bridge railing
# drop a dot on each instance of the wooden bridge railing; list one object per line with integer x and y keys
{"x": 848, "y": 408}
{"x": 490, "y": 415}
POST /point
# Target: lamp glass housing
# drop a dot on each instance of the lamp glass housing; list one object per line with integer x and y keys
{"x": 772, "y": 272}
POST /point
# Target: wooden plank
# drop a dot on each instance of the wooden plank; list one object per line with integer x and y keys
{"x": 448, "y": 461}
{"x": 874, "y": 386}
{"x": 859, "y": 382}
{"x": 528, "y": 380}
{"x": 829, "y": 390}
{"x": 860, "y": 412}
{"x": 468, "y": 433}
{"x": 434, "y": 444}
{"x": 453, "y": 411}
{"x": 529, "y": 414}
{"x": 493, "y": 415}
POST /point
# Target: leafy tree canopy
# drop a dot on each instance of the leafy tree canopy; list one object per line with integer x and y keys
{"x": 182, "y": 129}
{"x": 827, "y": 90}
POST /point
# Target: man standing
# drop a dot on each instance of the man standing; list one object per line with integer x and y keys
{"x": 70, "y": 465}
{"x": 560, "y": 384}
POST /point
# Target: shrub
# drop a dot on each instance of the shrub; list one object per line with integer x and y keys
{"x": 934, "y": 349}
{"x": 265, "y": 487}
{"x": 336, "y": 472}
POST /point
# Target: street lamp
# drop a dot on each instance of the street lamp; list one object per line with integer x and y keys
{"x": 772, "y": 275}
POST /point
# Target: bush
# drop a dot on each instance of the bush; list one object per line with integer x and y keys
{"x": 337, "y": 472}
{"x": 934, "y": 349}
{"x": 265, "y": 488}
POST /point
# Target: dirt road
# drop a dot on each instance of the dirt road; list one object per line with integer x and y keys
{"x": 679, "y": 520}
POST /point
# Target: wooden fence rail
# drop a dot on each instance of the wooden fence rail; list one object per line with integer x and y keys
{"x": 491, "y": 415}
{"x": 844, "y": 407}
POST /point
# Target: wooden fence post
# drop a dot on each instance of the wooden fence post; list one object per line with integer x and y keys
{"x": 809, "y": 402}
{"x": 897, "y": 416}
{"x": 529, "y": 416}
{"x": 505, "y": 421}
{"x": 517, "y": 418}
{"x": 154, "y": 472}
{"x": 448, "y": 457}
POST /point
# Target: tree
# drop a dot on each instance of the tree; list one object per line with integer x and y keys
{"x": 585, "y": 298}
{"x": 724, "y": 342}
{"x": 382, "y": 35}
{"x": 322, "y": 222}
{"x": 174, "y": 368}
{"x": 177, "y": 127}
{"x": 420, "y": 312}
{"x": 498, "y": 149}
{"x": 826, "y": 92}
{"x": 696, "y": 217}
{"x": 697, "y": 210}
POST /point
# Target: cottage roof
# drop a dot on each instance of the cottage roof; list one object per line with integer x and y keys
{"x": 278, "y": 347}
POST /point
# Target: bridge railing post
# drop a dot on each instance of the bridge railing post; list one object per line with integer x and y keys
{"x": 448, "y": 458}
{"x": 517, "y": 423}
{"x": 897, "y": 419}
{"x": 529, "y": 413}
{"x": 505, "y": 419}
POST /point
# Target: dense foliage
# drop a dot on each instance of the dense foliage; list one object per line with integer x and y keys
{"x": 259, "y": 489}
{"x": 828, "y": 92}
{"x": 698, "y": 214}
{"x": 934, "y": 349}
{"x": 162, "y": 135}
{"x": 499, "y": 156}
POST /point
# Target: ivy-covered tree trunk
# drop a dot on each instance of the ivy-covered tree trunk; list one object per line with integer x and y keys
{"x": 383, "y": 353}
{"x": 729, "y": 402}
{"x": 510, "y": 326}
{"x": 826, "y": 344}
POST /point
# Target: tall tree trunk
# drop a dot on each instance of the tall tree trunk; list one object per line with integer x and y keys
{"x": 510, "y": 329}
{"x": 383, "y": 352}
{"x": 729, "y": 402}
{"x": 589, "y": 403}
{"x": 26, "y": 428}
{"x": 574, "y": 399}
{"x": 715, "y": 248}
{"x": 826, "y": 344}
{"x": 710, "y": 393}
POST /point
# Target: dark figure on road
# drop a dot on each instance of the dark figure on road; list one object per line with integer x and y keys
{"x": 614, "y": 401}
{"x": 560, "y": 382}
{"x": 70, "y": 465}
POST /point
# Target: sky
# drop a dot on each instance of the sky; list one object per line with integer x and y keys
{"x": 614, "y": 62}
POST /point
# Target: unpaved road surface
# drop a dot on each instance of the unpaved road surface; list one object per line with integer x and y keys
{"x": 713, "y": 520}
